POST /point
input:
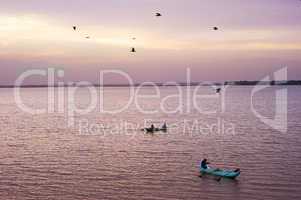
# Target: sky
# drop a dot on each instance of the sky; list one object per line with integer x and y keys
{"x": 255, "y": 38}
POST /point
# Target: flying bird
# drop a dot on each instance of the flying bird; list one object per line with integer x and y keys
{"x": 134, "y": 38}
{"x": 87, "y": 37}
{"x": 74, "y": 28}
{"x": 158, "y": 14}
{"x": 218, "y": 90}
{"x": 133, "y": 50}
{"x": 215, "y": 28}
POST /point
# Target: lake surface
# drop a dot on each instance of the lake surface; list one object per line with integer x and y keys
{"x": 98, "y": 155}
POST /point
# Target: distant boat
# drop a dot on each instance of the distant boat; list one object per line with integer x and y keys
{"x": 153, "y": 129}
{"x": 150, "y": 130}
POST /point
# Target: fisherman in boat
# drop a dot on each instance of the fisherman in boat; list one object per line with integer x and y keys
{"x": 152, "y": 128}
{"x": 164, "y": 127}
{"x": 204, "y": 164}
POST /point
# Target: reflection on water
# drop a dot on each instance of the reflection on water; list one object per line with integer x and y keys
{"x": 41, "y": 158}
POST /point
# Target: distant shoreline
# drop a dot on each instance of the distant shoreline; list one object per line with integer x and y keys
{"x": 232, "y": 83}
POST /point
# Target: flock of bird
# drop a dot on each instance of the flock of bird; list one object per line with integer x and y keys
{"x": 133, "y": 49}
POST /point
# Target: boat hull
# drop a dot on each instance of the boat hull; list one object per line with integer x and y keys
{"x": 221, "y": 173}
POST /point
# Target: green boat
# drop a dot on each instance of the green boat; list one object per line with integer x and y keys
{"x": 221, "y": 173}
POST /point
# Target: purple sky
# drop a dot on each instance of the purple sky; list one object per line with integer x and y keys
{"x": 256, "y": 37}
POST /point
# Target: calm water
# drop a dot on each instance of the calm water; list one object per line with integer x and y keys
{"x": 42, "y": 158}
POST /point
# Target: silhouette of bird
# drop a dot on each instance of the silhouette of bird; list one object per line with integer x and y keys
{"x": 218, "y": 90}
{"x": 215, "y": 28}
{"x": 158, "y": 14}
{"x": 134, "y": 38}
{"x": 74, "y": 28}
{"x": 87, "y": 37}
{"x": 133, "y": 50}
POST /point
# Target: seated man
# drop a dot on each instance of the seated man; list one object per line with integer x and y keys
{"x": 164, "y": 127}
{"x": 204, "y": 164}
{"x": 152, "y": 127}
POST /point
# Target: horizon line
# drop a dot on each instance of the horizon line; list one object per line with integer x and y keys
{"x": 182, "y": 84}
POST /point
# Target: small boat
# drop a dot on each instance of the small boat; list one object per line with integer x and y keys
{"x": 150, "y": 130}
{"x": 221, "y": 173}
